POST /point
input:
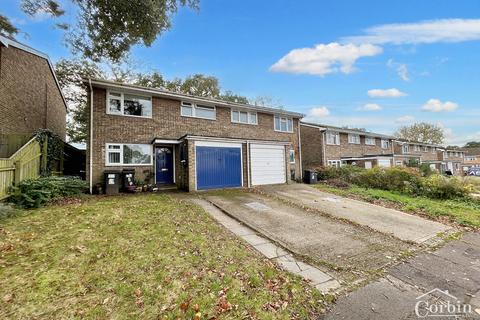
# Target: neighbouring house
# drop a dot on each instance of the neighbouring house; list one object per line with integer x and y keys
{"x": 30, "y": 96}
{"x": 453, "y": 160}
{"x": 193, "y": 143}
{"x": 471, "y": 158}
{"x": 414, "y": 153}
{"x": 324, "y": 145}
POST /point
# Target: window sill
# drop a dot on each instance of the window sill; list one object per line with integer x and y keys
{"x": 248, "y": 124}
{"x": 128, "y": 115}
{"x": 194, "y": 117}
{"x": 282, "y": 131}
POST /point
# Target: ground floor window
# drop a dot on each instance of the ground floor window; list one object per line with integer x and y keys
{"x": 128, "y": 154}
{"x": 334, "y": 163}
{"x": 292, "y": 156}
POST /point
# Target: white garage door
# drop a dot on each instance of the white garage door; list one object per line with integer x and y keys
{"x": 384, "y": 163}
{"x": 267, "y": 164}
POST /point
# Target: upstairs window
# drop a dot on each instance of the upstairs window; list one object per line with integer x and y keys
{"x": 354, "y": 138}
{"x": 370, "y": 141}
{"x": 128, "y": 154}
{"x": 333, "y": 138}
{"x": 385, "y": 144}
{"x": 406, "y": 148}
{"x": 416, "y": 148}
{"x": 189, "y": 109}
{"x": 129, "y": 104}
{"x": 283, "y": 124}
{"x": 425, "y": 149}
{"x": 244, "y": 117}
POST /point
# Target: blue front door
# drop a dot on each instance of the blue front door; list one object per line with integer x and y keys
{"x": 218, "y": 167}
{"x": 164, "y": 165}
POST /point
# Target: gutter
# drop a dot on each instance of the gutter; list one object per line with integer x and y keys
{"x": 248, "y": 164}
{"x": 90, "y": 184}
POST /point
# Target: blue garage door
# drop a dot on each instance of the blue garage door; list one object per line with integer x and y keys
{"x": 218, "y": 167}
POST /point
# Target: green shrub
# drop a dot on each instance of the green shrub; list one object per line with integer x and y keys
{"x": 440, "y": 187}
{"x": 346, "y": 173}
{"x": 34, "y": 193}
{"x": 426, "y": 170}
{"x": 405, "y": 180}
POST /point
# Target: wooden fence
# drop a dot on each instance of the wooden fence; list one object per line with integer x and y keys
{"x": 23, "y": 164}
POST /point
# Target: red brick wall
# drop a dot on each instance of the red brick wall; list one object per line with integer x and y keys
{"x": 167, "y": 123}
{"x": 29, "y": 96}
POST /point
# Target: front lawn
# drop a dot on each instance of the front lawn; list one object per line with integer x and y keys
{"x": 143, "y": 256}
{"x": 465, "y": 212}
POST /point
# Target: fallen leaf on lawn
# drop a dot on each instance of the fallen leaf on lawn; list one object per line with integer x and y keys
{"x": 138, "y": 292}
{"x": 196, "y": 308}
{"x": 184, "y": 306}
{"x": 198, "y": 316}
{"x": 223, "y": 305}
{"x": 8, "y": 297}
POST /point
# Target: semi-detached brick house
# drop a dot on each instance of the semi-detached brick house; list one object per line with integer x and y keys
{"x": 192, "y": 142}
{"x": 324, "y": 145}
{"x": 472, "y": 158}
{"x": 30, "y": 96}
{"x": 438, "y": 157}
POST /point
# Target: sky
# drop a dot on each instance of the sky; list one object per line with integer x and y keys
{"x": 376, "y": 65}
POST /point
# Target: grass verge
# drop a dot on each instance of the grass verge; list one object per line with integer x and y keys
{"x": 143, "y": 256}
{"x": 464, "y": 212}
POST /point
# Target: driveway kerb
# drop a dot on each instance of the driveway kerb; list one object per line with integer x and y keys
{"x": 271, "y": 249}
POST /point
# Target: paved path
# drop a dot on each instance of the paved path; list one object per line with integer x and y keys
{"x": 454, "y": 268}
{"x": 402, "y": 225}
{"x": 321, "y": 280}
{"x": 350, "y": 252}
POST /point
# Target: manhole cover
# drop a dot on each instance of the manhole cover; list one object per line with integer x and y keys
{"x": 257, "y": 206}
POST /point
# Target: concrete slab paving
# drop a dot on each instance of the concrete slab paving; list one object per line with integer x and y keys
{"x": 349, "y": 251}
{"x": 395, "y": 295}
{"x": 320, "y": 280}
{"x": 400, "y": 224}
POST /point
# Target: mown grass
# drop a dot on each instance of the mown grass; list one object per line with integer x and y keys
{"x": 142, "y": 256}
{"x": 465, "y": 212}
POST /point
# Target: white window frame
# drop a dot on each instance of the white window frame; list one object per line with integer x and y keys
{"x": 385, "y": 144}
{"x": 109, "y": 164}
{"x": 282, "y": 119}
{"x": 425, "y": 148}
{"x": 194, "y": 107}
{"x": 353, "y": 138}
{"x": 405, "y": 148}
{"x": 122, "y": 104}
{"x": 334, "y": 163}
{"x": 292, "y": 152}
{"x": 373, "y": 141}
{"x": 416, "y": 147}
{"x": 336, "y": 139}
{"x": 249, "y": 117}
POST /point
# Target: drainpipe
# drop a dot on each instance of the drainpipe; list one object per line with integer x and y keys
{"x": 91, "y": 138}
{"x": 248, "y": 164}
{"x": 324, "y": 147}
{"x": 300, "y": 152}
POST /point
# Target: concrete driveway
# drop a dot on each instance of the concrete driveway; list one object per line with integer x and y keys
{"x": 347, "y": 251}
{"x": 401, "y": 225}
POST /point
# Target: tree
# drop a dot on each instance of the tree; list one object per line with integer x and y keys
{"x": 200, "y": 85}
{"x": 472, "y": 144}
{"x": 69, "y": 74}
{"x": 231, "y": 97}
{"x": 421, "y": 132}
{"x": 6, "y": 27}
{"x": 107, "y": 29}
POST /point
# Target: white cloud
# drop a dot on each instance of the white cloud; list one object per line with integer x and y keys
{"x": 435, "y": 105}
{"x": 386, "y": 93}
{"x": 405, "y": 119}
{"x": 318, "y": 112}
{"x": 440, "y": 30}
{"x": 401, "y": 68}
{"x": 325, "y": 58}
{"x": 402, "y": 72}
{"x": 371, "y": 107}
